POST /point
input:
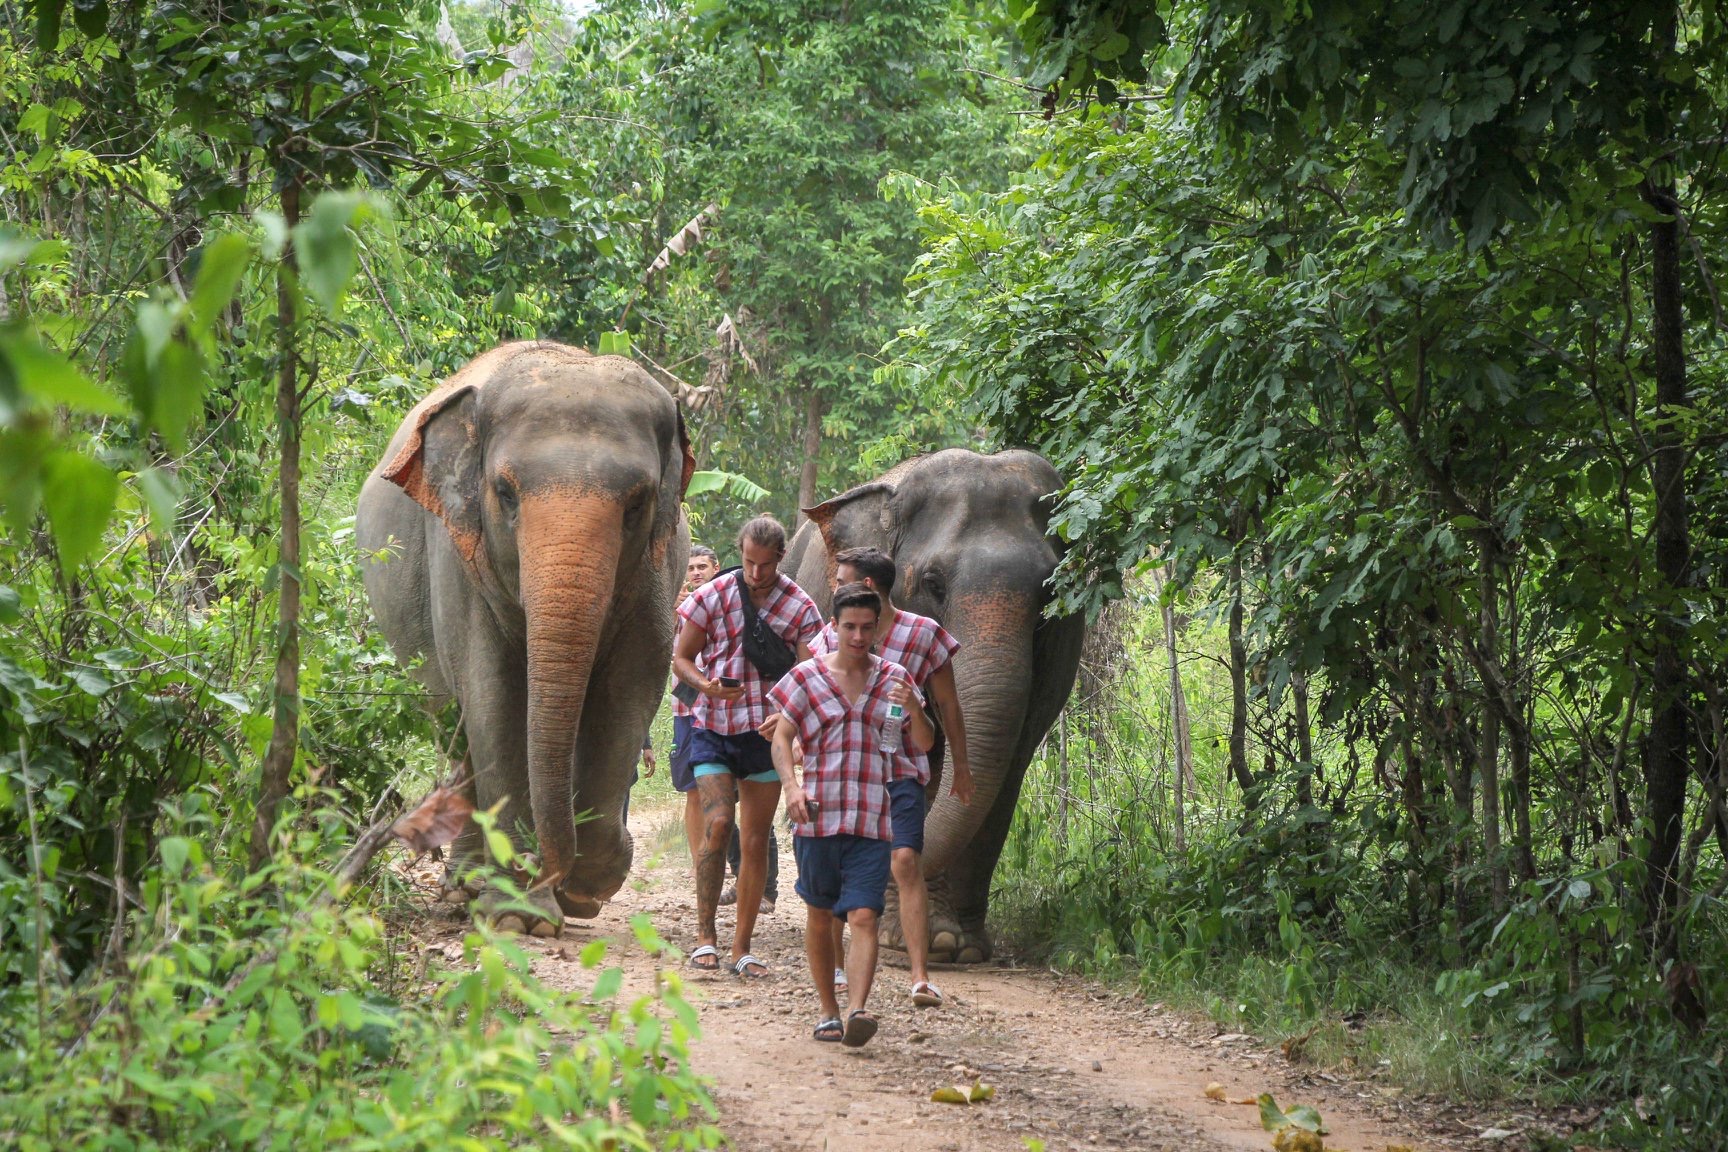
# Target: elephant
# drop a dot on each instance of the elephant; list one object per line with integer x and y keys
{"x": 972, "y": 548}
{"x": 523, "y": 539}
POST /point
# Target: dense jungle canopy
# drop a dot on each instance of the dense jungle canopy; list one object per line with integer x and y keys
{"x": 1382, "y": 348}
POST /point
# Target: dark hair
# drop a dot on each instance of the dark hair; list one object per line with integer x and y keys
{"x": 704, "y": 551}
{"x": 872, "y": 564}
{"x": 856, "y": 595}
{"x": 764, "y": 531}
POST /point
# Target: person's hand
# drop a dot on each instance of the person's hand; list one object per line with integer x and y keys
{"x": 766, "y": 728}
{"x": 647, "y": 763}
{"x": 960, "y": 782}
{"x": 720, "y": 692}
{"x": 798, "y": 807}
{"x": 902, "y": 694}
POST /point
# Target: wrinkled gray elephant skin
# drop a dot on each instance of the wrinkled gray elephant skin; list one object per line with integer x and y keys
{"x": 971, "y": 544}
{"x": 522, "y": 544}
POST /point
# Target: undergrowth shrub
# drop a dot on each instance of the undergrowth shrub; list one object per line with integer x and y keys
{"x": 264, "y": 1013}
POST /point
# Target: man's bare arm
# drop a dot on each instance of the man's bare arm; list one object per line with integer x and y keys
{"x": 689, "y": 646}
{"x": 796, "y": 807}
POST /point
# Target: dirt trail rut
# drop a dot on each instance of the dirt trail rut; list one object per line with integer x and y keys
{"x": 1073, "y": 1066}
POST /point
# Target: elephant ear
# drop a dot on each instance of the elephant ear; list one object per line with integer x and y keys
{"x": 689, "y": 456}
{"x": 439, "y": 465}
{"x": 860, "y": 518}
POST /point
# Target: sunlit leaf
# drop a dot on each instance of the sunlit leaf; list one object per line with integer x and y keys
{"x": 78, "y": 493}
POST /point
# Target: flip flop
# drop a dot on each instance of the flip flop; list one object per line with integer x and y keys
{"x": 860, "y": 1026}
{"x": 830, "y": 1030}
{"x": 926, "y": 995}
{"x": 704, "y": 952}
{"x": 743, "y": 964}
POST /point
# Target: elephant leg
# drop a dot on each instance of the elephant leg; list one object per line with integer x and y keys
{"x": 945, "y": 932}
{"x": 968, "y": 888}
{"x": 459, "y": 886}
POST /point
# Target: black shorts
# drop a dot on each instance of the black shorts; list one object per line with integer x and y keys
{"x": 840, "y": 873}
{"x": 745, "y": 754}
{"x": 906, "y": 813}
{"x": 680, "y": 762}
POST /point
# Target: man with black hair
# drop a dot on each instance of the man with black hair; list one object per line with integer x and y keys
{"x": 926, "y": 650}
{"x": 849, "y": 710}
{"x": 739, "y": 635}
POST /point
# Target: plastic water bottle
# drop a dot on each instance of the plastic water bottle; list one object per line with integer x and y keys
{"x": 893, "y": 733}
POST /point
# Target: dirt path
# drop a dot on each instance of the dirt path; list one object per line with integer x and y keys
{"x": 1073, "y": 1066}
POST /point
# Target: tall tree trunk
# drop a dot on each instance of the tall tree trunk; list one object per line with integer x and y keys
{"x": 273, "y": 784}
{"x": 1488, "y": 753}
{"x": 812, "y": 449}
{"x": 1181, "y": 734}
{"x": 1666, "y": 762}
{"x": 1304, "y": 742}
{"x": 1239, "y": 687}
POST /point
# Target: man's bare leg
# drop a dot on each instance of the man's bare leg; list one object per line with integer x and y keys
{"x": 693, "y": 821}
{"x": 914, "y": 911}
{"x": 839, "y": 933}
{"x": 861, "y": 964}
{"x": 717, "y": 796}
{"x": 757, "y": 802}
{"x": 819, "y": 953}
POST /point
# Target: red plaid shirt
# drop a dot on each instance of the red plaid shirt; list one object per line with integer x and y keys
{"x": 919, "y": 645}
{"x": 718, "y": 609}
{"x": 845, "y": 769}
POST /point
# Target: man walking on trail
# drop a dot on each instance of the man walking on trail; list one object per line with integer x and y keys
{"x": 747, "y": 630}
{"x": 703, "y": 566}
{"x": 849, "y": 710}
{"x": 926, "y": 650}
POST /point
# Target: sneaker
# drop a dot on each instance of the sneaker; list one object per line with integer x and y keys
{"x": 729, "y": 894}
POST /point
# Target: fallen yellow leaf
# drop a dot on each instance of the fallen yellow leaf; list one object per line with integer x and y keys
{"x": 977, "y": 1093}
{"x": 1215, "y": 1091}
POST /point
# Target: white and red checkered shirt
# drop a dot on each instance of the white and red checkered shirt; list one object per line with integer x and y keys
{"x": 718, "y": 609}
{"x": 919, "y": 645}
{"x": 845, "y": 769}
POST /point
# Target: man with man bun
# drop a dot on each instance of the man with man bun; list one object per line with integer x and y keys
{"x": 740, "y": 634}
{"x": 926, "y": 650}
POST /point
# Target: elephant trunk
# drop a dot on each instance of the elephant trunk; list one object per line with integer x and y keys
{"x": 568, "y": 548}
{"x": 993, "y": 675}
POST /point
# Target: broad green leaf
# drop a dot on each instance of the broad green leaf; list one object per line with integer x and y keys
{"x": 78, "y": 493}
{"x": 47, "y": 376}
{"x": 325, "y": 246}
{"x": 614, "y": 344}
{"x": 221, "y": 265}
{"x": 161, "y": 490}
{"x": 175, "y": 852}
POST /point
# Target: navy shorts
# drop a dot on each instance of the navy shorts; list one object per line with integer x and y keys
{"x": 682, "y": 780}
{"x": 746, "y": 754}
{"x": 840, "y": 873}
{"x": 906, "y": 813}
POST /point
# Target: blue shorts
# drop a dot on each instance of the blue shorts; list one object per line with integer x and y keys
{"x": 747, "y": 756}
{"x": 906, "y": 813}
{"x": 682, "y": 780}
{"x": 840, "y": 873}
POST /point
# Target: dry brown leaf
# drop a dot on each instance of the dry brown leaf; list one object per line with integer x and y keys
{"x": 1297, "y": 1140}
{"x": 438, "y": 820}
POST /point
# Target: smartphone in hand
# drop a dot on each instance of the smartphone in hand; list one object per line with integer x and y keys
{"x": 729, "y": 682}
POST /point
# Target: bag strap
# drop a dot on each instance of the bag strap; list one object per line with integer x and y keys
{"x": 752, "y": 621}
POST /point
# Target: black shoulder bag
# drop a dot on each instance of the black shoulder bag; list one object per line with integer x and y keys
{"x": 762, "y": 645}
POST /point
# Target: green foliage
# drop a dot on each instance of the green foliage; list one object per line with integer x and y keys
{"x": 232, "y": 1019}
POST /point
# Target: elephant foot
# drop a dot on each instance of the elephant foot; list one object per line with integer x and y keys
{"x": 578, "y": 906}
{"x": 456, "y": 891}
{"x": 946, "y": 935}
{"x": 507, "y": 915}
{"x": 973, "y": 946}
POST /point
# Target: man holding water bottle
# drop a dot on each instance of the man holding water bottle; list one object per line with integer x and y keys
{"x": 852, "y": 712}
{"x": 926, "y": 650}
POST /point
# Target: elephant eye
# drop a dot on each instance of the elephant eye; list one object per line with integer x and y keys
{"x": 506, "y": 494}
{"x": 936, "y": 585}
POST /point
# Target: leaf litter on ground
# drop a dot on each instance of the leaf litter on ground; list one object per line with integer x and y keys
{"x": 977, "y": 1092}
